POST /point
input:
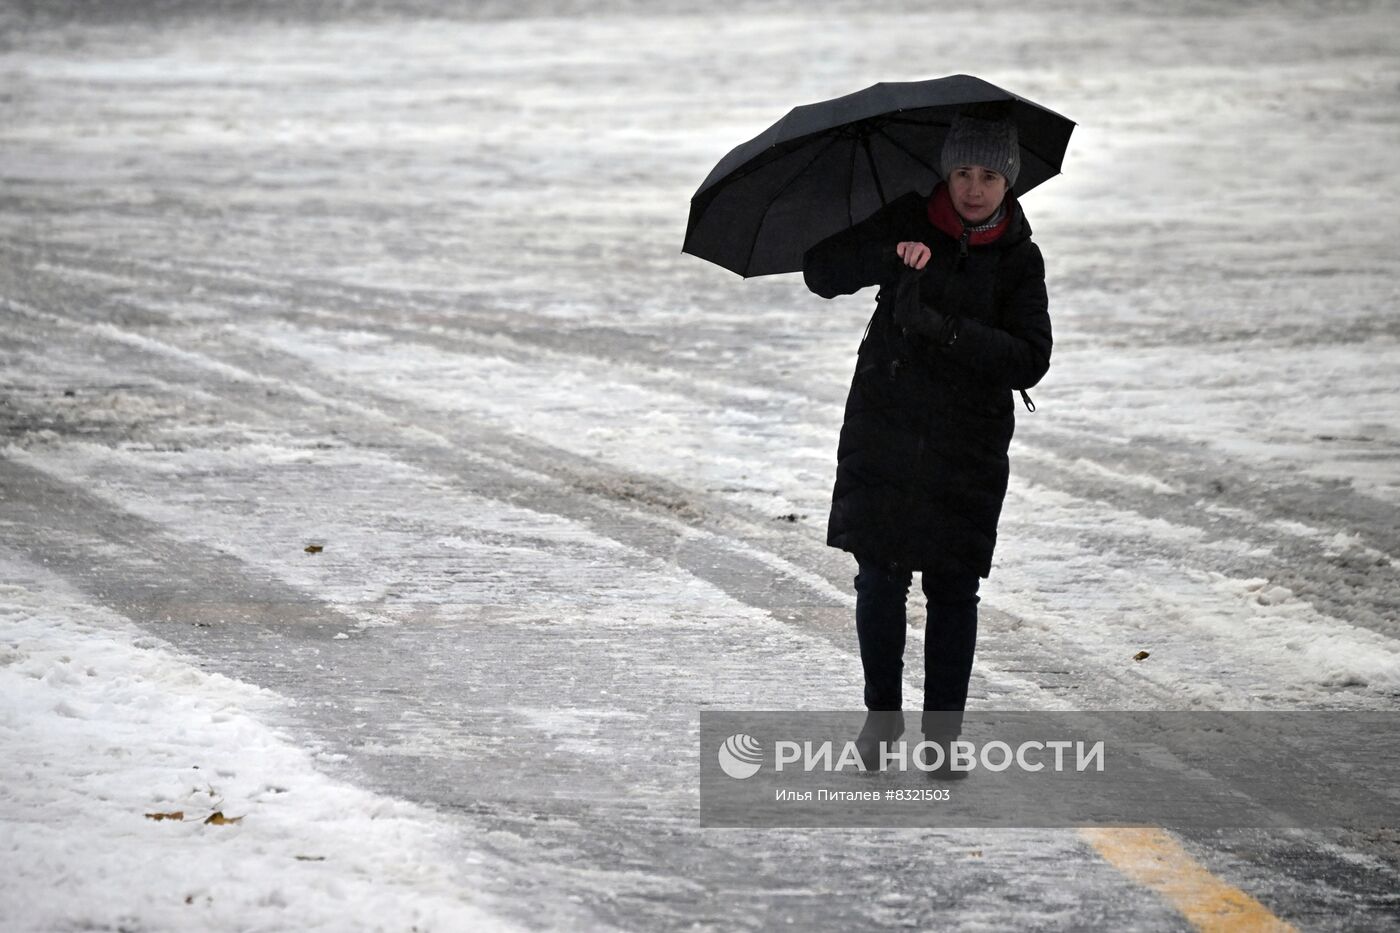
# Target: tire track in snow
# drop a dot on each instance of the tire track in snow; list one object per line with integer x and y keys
{"x": 1343, "y": 561}
{"x": 207, "y": 604}
{"x": 761, "y": 535}
{"x": 531, "y": 457}
{"x": 641, "y": 855}
{"x": 756, "y": 560}
{"x": 1032, "y": 649}
{"x": 1340, "y": 575}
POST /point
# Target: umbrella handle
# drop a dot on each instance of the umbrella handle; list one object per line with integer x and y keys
{"x": 909, "y": 273}
{"x": 908, "y": 279}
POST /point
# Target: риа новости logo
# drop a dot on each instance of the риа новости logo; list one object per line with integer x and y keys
{"x": 741, "y": 756}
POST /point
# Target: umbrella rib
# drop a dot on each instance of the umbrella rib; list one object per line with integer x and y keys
{"x": 850, "y": 187}
{"x": 874, "y": 173}
{"x": 907, "y": 151}
{"x": 763, "y": 216}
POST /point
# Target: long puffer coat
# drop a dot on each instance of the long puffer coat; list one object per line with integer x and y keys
{"x": 922, "y": 460}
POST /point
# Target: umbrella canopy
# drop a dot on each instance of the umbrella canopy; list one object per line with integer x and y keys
{"x": 829, "y": 165}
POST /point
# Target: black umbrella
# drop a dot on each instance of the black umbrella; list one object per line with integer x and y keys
{"x": 829, "y": 165}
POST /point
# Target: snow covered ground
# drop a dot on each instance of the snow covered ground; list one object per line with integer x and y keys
{"x": 409, "y": 288}
{"x": 118, "y": 753}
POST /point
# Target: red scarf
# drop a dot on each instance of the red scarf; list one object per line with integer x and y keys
{"x": 945, "y": 217}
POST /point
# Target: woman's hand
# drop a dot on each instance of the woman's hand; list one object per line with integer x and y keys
{"x": 913, "y": 254}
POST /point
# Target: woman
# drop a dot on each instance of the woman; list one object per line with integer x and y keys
{"x": 960, "y": 321}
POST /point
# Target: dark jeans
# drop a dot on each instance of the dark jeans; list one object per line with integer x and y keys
{"x": 950, "y": 639}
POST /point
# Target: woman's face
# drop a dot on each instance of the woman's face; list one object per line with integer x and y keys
{"x": 977, "y": 192}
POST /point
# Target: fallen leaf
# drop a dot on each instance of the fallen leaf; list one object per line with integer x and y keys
{"x": 314, "y": 549}
{"x": 172, "y": 815}
{"x": 1141, "y": 655}
{"x": 217, "y": 818}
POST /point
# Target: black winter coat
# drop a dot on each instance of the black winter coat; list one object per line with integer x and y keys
{"x": 922, "y": 460}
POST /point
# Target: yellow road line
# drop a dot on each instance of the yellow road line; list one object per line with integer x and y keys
{"x": 1154, "y": 859}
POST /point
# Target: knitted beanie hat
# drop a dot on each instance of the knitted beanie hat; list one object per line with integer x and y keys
{"x": 990, "y": 143}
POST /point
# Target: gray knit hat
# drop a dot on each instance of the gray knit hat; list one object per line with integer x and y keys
{"x": 992, "y": 143}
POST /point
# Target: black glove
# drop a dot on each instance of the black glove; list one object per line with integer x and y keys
{"x": 924, "y": 321}
{"x": 912, "y": 316}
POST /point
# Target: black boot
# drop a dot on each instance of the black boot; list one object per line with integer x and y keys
{"x": 881, "y": 729}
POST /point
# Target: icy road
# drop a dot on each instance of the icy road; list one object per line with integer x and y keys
{"x": 377, "y": 473}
